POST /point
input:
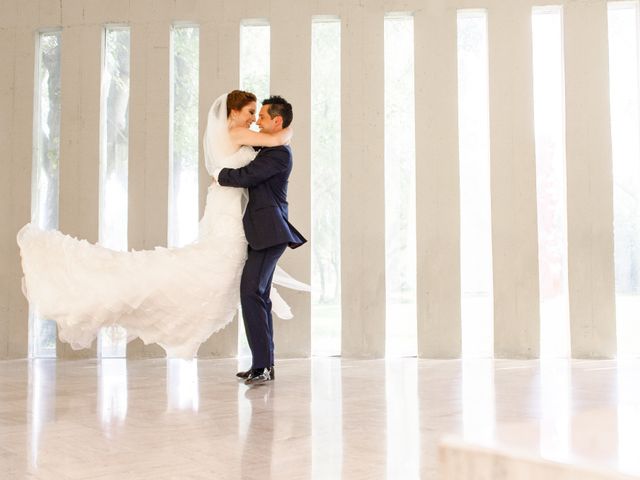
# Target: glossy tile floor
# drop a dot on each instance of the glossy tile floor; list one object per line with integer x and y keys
{"x": 323, "y": 418}
{"x": 579, "y": 433}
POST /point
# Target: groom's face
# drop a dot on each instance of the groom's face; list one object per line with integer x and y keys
{"x": 266, "y": 123}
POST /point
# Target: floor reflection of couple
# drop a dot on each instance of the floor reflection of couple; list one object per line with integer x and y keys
{"x": 56, "y": 398}
{"x": 257, "y": 449}
{"x": 255, "y": 408}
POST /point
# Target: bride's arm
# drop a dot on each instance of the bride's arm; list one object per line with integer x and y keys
{"x": 244, "y": 136}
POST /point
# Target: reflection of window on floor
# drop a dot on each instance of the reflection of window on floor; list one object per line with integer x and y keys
{"x": 183, "y": 155}
{"x": 400, "y": 190}
{"x": 403, "y": 419}
{"x": 478, "y": 400}
{"x": 325, "y": 192}
{"x": 114, "y": 161}
{"x": 555, "y": 409}
{"x": 628, "y": 415}
{"x": 625, "y": 136}
{"x": 42, "y": 407}
{"x": 475, "y": 180}
{"x": 326, "y": 418}
{"x": 182, "y": 385}
{"x": 113, "y": 395}
{"x": 46, "y": 169}
{"x": 548, "y": 90}
{"x": 255, "y": 55}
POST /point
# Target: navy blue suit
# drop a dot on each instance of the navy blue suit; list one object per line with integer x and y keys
{"x": 268, "y": 231}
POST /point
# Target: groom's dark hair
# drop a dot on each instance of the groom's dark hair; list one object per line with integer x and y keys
{"x": 278, "y": 106}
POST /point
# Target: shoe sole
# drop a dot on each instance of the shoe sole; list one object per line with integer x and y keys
{"x": 244, "y": 377}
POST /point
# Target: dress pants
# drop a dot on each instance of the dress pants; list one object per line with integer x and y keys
{"x": 255, "y": 289}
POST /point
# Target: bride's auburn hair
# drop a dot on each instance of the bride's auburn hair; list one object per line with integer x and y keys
{"x": 237, "y": 99}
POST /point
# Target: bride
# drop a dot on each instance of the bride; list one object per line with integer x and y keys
{"x": 175, "y": 297}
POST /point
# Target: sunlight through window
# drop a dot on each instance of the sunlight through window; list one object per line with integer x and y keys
{"x": 625, "y": 139}
{"x": 548, "y": 90}
{"x": 183, "y": 157}
{"x": 114, "y": 161}
{"x": 475, "y": 185}
{"x": 400, "y": 188}
{"x": 46, "y": 168}
{"x": 326, "y": 327}
{"x": 255, "y": 56}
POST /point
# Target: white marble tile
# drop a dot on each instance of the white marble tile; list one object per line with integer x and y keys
{"x": 587, "y": 426}
{"x": 461, "y": 460}
{"x": 323, "y": 418}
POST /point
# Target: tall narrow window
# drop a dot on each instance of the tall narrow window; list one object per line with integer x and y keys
{"x": 475, "y": 185}
{"x": 183, "y": 158}
{"x": 114, "y": 160}
{"x": 548, "y": 90}
{"x": 46, "y": 169}
{"x": 400, "y": 189}
{"x": 325, "y": 192}
{"x": 625, "y": 137}
{"x": 255, "y": 55}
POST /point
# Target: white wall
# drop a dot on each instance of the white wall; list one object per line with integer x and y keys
{"x": 363, "y": 278}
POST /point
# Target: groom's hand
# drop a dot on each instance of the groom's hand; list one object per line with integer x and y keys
{"x": 214, "y": 177}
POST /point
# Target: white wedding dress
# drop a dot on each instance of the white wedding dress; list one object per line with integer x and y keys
{"x": 175, "y": 297}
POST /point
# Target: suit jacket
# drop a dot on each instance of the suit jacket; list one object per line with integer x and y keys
{"x": 266, "y": 220}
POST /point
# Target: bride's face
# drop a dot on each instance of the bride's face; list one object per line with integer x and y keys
{"x": 244, "y": 117}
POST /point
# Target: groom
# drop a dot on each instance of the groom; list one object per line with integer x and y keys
{"x": 268, "y": 232}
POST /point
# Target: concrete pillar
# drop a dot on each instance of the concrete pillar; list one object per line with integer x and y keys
{"x": 362, "y": 176}
{"x": 291, "y": 39}
{"x": 219, "y": 73}
{"x": 79, "y": 139}
{"x": 17, "y": 96}
{"x": 513, "y": 182}
{"x": 589, "y": 181}
{"x": 148, "y": 147}
{"x": 10, "y": 273}
{"x": 438, "y": 182}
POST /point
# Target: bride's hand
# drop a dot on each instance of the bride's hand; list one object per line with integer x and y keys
{"x": 285, "y": 136}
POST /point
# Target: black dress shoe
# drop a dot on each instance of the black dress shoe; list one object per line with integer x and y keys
{"x": 256, "y": 377}
{"x": 246, "y": 374}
